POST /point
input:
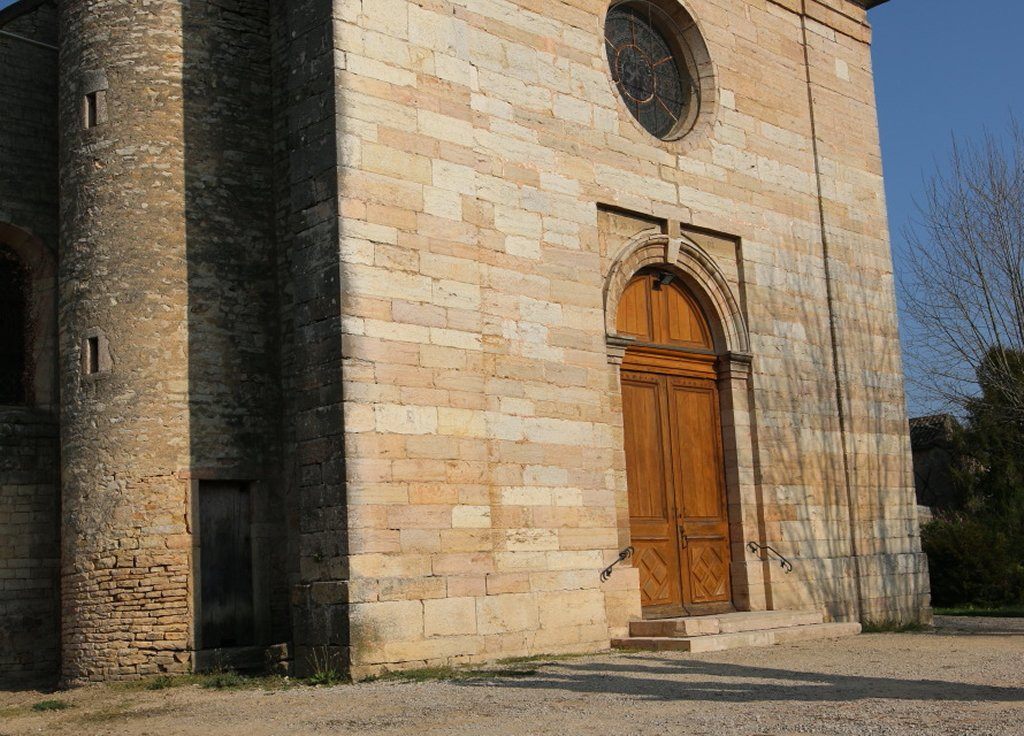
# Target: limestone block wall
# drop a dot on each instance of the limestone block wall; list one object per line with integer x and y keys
{"x": 126, "y": 563}
{"x": 357, "y": 255}
{"x": 479, "y": 425}
{"x": 485, "y": 469}
{"x": 892, "y": 570}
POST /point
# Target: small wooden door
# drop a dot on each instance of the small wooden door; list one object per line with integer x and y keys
{"x": 674, "y": 461}
{"x": 226, "y": 616}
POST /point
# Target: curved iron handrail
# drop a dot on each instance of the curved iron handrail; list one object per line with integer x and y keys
{"x": 623, "y": 556}
{"x": 759, "y": 548}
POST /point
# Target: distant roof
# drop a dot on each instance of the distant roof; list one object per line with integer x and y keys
{"x": 935, "y": 430}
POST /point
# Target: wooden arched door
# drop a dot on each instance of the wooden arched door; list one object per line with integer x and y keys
{"x": 673, "y": 440}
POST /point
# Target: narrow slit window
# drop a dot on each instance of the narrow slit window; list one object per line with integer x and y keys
{"x": 92, "y": 110}
{"x": 92, "y": 355}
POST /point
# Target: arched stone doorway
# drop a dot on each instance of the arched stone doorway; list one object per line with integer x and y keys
{"x": 678, "y": 509}
{"x": 676, "y": 333}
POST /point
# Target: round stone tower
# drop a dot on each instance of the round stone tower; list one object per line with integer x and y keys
{"x": 123, "y": 341}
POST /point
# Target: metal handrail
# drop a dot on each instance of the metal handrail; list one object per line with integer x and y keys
{"x": 623, "y": 556}
{"x": 759, "y": 548}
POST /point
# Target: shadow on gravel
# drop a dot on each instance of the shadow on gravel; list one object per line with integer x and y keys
{"x": 653, "y": 678}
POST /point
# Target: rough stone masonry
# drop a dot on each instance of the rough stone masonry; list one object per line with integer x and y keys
{"x": 332, "y": 292}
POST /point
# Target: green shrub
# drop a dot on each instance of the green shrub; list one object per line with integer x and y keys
{"x": 971, "y": 562}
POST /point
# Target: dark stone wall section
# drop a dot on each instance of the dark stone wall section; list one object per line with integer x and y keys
{"x": 218, "y": 299}
{"x": 28, "y": 116}
{"x": 309, "y": 264}
{"x": 234, "y": 376}
{"x": 29, "y": 538}
{"x": 29, "y": 494}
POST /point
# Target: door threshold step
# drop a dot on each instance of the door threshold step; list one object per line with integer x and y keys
{"x": 738, "y": 639}
{"x": 723, "y": 623}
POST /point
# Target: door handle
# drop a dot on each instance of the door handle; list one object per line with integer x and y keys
{"x": 682, "y": 537}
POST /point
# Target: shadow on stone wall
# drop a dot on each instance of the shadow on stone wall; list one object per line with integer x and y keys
{"x": 311, "y": 289}
{"x": 863, "y": 533}
{"x": 233, "y": 337}
{"x": 264, "y": 303}
{"x": 29, "y": 454}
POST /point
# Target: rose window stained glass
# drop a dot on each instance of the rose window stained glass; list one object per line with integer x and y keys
{"x": 653, "y": 80}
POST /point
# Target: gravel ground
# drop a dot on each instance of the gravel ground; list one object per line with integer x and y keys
{"x": 966, "y": 676}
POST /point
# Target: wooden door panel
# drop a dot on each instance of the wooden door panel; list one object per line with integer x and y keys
{"x": 681, "y": 320}
{"x": 658, "y": 564}
{"x": 226, "y": 612}
{"x": 634, "y": 315}
{"x": 708, "y": 569}
{"x": 700, "y": 478}
{"x": 651, "y": 508}
{"x": 645, "y": 458}
{"x": 697, "y": 449}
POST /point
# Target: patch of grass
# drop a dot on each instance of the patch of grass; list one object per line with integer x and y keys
{"x": 327, "y": 678}
{"x": 422, "y": 674}
{"x": 215, "y": 680}
{"x": 44, "y": 705}
{"x": 160, "y": 682}
{"x": 230, "y": 680}
{"x": 426, "y": 674}
{"x": 12, "y": 711}
{"x": 997, "y": 612}
{"x": 477, "y": 674}
{"x": 537, "y": 658}
{"x": 157, "y": 682}
{"x": 323, "y": 664}
{"x": 109, "y": 713}
{"x": 891, "y": 626}
{"x": 225, "y": 680}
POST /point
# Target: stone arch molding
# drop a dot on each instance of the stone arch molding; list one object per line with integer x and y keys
{"x": 698, "y": 270}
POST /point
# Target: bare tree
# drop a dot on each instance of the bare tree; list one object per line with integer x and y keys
{"x": 964, "y": 289}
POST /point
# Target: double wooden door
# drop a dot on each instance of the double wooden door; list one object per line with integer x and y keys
{"x": 677, "y": 505}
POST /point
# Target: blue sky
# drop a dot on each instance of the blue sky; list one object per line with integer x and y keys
{"x": 942, "y": 68}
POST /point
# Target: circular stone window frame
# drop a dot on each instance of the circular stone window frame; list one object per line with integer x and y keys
{"x": 680, "y": 30}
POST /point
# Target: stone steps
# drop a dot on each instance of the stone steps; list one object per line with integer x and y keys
{"x": 731, "y": 631}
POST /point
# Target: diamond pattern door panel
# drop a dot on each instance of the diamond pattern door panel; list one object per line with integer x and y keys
{"x": 657, "y": 575}
{"x": 709, "y": 570}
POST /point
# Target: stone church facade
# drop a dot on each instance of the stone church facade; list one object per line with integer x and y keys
{"x": 371, "y": 331}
